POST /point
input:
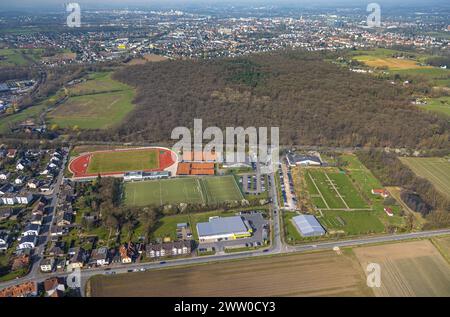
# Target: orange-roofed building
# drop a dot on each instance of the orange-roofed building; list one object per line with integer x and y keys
{"x": 202, "y": 172}
{"x": 381, "y": 192}
{"x": 202, "y": 166}
{"x": 27, "y": 289}
{"x": 183, "y": 168}
{"x": 189, "y": 156}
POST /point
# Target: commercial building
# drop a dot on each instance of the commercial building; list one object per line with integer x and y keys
{"x": 303, "y": 160}
{"x": 228, "y": 228}
{"x": 308, "y": 226}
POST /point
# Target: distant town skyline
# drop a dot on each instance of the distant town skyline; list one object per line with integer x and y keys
{"x": 32, "y": 4}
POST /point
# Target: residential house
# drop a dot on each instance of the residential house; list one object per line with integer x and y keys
{"x": 380, "y": 192}
{"x": 4, "y": 175}
{"x": 54, "y": 287}
{"x": 27, "y": 242}
{"x": 4, "y": 240}
{"x": 77, "y": 258}
{"x": 36, "y": 219}
{"x": 60, "y": 264}
{"x": 22, "y": 164}
{"x": 5, "y": 213}
{"x": 31, "y": 230}
{"x": 13, "y": 198}
{"x": 6, "y": 189}
{"x": 64, "y": 218}
{"x": 19, "y": 180}
{"x": 127, "y": 253}
{"x": 11, "y": 153}
{"x": 56, "y": 231}
{"x": 100, "y": 256}
{"x": 47, "y": 265}
{"x": 57, "y": 249}
{"x": 389, "y": 211}
{"x": 168, "y": 249}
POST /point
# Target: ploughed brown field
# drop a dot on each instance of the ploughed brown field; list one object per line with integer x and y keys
{"x": 408, "y": 269}
{"x": 315, "y": 274}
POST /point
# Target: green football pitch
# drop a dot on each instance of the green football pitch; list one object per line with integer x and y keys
{"x": 122, "y": 161}
{"x": 333, "y": 190}
{"x": 207, "y": 190}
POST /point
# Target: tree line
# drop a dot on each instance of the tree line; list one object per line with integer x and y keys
{"x": 418, "y": 193}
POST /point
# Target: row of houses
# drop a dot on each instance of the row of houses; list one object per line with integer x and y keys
{"x": 21, "y": 182}
{"x": 52, "y": 287}
{"x": 57, "y": 259}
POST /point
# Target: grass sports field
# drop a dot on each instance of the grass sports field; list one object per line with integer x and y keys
{"x": 434, "y": 169}
{"x": 207, "y": 190}
{"x": 98, "y": 103}
{"x": 114, "y": 161}
{"x": 321, "y": 190}
{"x": 330, "y": 189}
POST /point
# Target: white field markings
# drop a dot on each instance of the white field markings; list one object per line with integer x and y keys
{"x": 335, "y": 189}
{"x": 318, "y": 190}
{"x": 237, "y": 188}
{"x": 160, "y": 193}
{"x": 199, "y": 188}
{"x": 206, "y": 190}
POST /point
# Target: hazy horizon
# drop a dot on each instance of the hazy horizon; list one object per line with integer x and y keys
{"x": 54, "y": 4}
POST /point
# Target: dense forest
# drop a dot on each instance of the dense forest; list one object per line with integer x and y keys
{"x": 418, "y": 193}
{"x": 314, "y": 102}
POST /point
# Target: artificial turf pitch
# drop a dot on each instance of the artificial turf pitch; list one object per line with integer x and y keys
{"x": 207, "y": 190}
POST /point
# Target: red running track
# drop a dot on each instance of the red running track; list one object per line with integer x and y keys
{"x": 79, "y": 165}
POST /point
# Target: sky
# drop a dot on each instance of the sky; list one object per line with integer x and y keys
{"x": 29, "y": 4}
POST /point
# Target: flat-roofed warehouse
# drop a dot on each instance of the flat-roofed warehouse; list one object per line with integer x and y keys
{"x": 227, "y": 228}
{"x": 308, "y": 226}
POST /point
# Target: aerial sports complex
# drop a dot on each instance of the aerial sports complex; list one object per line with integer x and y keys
{"x": 120, "y": 161}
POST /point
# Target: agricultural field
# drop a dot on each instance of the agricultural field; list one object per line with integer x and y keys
{"x": 207, "y": 190}
{"x": 98, "y": 103}
{"x": 408, "y": 269}
{"x": 332, "y": 190}
{"x": 117, "y": 161}
{"x": 315, "y": 274}
{"x": 443, "y": 245}
{"x": 408, "y": 67}
{"x": 389, "y": 62}
{"x": 436, "y": 170}
{"x": 19, "y": 57}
